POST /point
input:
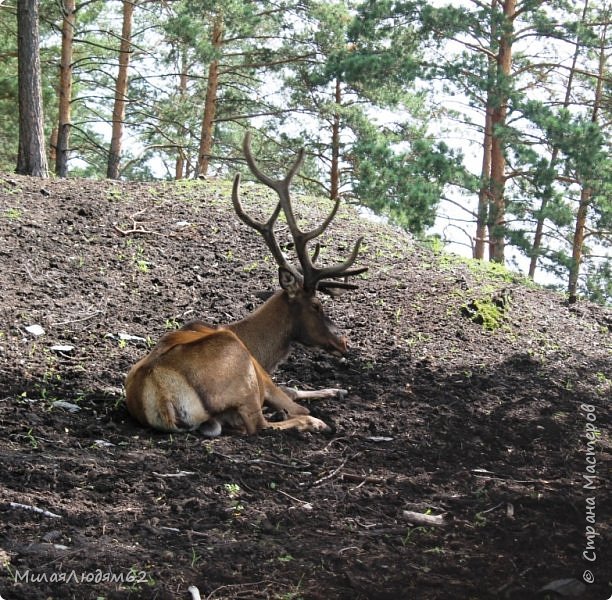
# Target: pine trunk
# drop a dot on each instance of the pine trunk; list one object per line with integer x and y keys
{"x": 497, "y": 206}
{"x": 179, "y": 167}
{"x": 483, "y": 193}
{"x": 114, "y": 154}
{"x": 335, "y": 146}
{"x": 548, "y": 192}
{"x": 482, "y": 215}
{"x": 53, "y": 146}
{"x": 581, "y": 218}
{"x": 32, "y": 159}
{"x": 65, "y": 90}
{"x": 586, "y": 193}
{"x": 210, "y": 104}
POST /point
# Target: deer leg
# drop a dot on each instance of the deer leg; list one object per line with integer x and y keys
{"x": 298, "y": 415}
{"x": 294, "y": 394}
{"x": 251, "y": 415}
{"x": 253, "y": 419}
{"x": 301, "y": 423}
{"x": 250, "y": 405}
{"x": 279, "y": 399}
{"x": 283, "y": 398}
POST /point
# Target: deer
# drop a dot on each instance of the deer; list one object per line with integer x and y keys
{"x": 206, "y": 377}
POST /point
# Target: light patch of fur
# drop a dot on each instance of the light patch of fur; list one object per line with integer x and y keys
{"x": 170, "y": 403}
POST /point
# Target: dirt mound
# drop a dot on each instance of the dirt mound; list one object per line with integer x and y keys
{"x": 471, "y": 395}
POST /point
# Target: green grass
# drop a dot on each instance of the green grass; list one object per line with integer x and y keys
{"x": 485, "y": 312}
{"x": 12, "y": 214}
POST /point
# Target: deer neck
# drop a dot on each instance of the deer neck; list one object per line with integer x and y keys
{"x": 268, "y": 332}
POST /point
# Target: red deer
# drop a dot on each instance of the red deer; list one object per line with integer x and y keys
{"x": 209, "y": 376}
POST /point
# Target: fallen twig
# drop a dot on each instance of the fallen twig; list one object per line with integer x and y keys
{"x": 276, "y": 464}
{"x": 303, "y": 503}
{"x": 195, "y": 592}
{"x": 422, "y": 519}
{"x": 27, "y": 270}
{"x": 135, "y": 226}
{"x": 355, "y": 477}
{"x": 490, "y": 475}
{"x": 90, "y": 316}
{"x": 261, "y": 461}
{"x": 126, "y": 232}
{"x": 326, "y": 447}
{"x": 35, "y": 509}
{"x": 335, "y": 471}
{"x": 233, "y": 585}
{"x": 179, "y": 474}
{"x": 484, "y": 512}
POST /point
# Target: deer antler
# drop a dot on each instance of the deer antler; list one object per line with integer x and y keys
{"x": 313, "y": 277}
{"x": 265, "y": 229}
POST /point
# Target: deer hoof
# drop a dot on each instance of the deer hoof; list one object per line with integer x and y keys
{"x": 315, "y": 425}
{"x": 334, "y": 393}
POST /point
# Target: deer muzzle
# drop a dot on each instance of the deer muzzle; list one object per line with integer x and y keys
{"x": 339, "y": 344}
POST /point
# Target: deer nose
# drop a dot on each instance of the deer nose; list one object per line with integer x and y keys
{"x": 341, "y": 344}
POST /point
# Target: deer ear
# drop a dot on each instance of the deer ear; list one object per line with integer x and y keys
{"x": 288, "y": 281}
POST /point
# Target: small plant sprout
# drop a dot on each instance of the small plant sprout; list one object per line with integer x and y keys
{"x": 233, "y": 490}
{"x": 142, "y": 265}
{"x": 31, "y": 439}
{"x": 172, "y": 323}
{"x": 195, "y": 558}
{"x": 12, "y": 214}
{"x": 285, "y": 558}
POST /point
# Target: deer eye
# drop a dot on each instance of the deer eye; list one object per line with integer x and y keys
{"x": 317, "y": 306}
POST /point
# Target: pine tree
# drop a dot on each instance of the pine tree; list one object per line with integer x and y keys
{"x": 62, "y": 142}
{"x": 121, "y": 91}
{"x": 594, "y": 173}
{"x": 400, "y": 169}
{"x": 32, "y": 159}
{"x": 9, "y": 119}
{"x": 570, "y": 157}
{"x": 219, "y": 59}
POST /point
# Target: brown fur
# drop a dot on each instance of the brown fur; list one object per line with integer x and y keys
{"x": 204, "y": 374}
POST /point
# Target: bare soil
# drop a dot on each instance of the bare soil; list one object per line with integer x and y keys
{"x": 501, "y": 427}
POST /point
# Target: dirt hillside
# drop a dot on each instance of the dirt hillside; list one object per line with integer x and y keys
{"x": 471, "y": 396}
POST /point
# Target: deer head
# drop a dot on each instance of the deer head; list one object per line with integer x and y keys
{"x": 308, "y": 322}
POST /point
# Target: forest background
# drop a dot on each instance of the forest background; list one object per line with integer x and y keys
{"x": 488, "y": 119}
